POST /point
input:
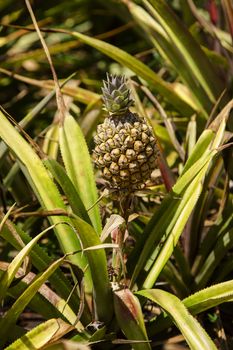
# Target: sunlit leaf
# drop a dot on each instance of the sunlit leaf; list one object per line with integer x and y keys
{"x": 139, "y": 68}
{"x": 43, "y": 186}
{"x": 78, "y": 165}
{"x": 9, "y": 274}
{"x": 194, "y": 334}
{"x": 41, "y": 335}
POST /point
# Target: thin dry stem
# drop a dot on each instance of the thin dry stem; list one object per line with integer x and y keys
{"x": 167, "y": 122}
{"x": 60, "y": 101}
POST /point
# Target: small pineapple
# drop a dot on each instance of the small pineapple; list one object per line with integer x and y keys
{"x": 125, "y": 147}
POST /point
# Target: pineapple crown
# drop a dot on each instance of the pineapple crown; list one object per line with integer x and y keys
{"x": 116, "y": 95}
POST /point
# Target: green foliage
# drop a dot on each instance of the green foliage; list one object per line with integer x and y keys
{"x": 94, "y": 263}
{"x": 194, "y": 334}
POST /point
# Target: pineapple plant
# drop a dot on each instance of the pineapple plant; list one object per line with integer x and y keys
{"x": 125, "y": 147}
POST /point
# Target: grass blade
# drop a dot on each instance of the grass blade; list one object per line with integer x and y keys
{"x": 46, "y": 302}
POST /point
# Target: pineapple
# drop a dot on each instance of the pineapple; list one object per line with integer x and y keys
{"x": 125, "y": 147}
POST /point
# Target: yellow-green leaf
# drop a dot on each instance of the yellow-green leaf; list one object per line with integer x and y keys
{"x": 78, "y": 165}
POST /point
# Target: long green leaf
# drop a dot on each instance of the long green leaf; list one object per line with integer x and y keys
{"x": 46, "y": 302}
{"x": 189, "y": 199}
{"x": 187, "y": 189}
{"x": 165, "y": 219}
{"x": 44, "y": 188}
{"x": 194, "y": 334}
{"x": 209, "y": 297}
{"x": 198, "y": 302}
{"x": 182, "y": 214}
{"x": 130, "y": 318}
{"x": 98, "y": 266}
{"x": 17, "y": 238}
{"x": 67, "y": 186}
{"x": 162, "y": 42}
{"x": 13, "y": 313}
{"x": 200, "y": 148}
{"x": 78, "y": 164}
{"x": 193, "y": 55}
{"x": 39, "y": 336}
{"x": 164, "y": 88}
{"x": 13, "y": 267}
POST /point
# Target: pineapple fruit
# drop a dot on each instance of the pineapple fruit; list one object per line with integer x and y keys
{"x": 125, "y": 147}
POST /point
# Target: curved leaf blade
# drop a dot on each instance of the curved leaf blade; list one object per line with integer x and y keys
{"x": 209, "y": 297}
{"x": 78, "y": 164}
{"x": 194, "y": 57}
{"x": 17, "y": 238}
{"x": 44, "y": 187}
{"x": 39, "y": 336}
{"x": 186, "y": 190}
{"x": 67, "y": 186}
{"x": 130, "y": 318}
{"x": 98, "y": 266}
{"x": 198, "y": 302}
{"x": 194, "y": 334}
{"x": 13, "y": 313}
{"x": 13, "y": 267}
{"x": 164, "y": 88}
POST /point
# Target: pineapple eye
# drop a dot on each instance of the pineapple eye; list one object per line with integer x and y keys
{"x": 138, "y": 146}
{"x": 133, "y": 167}
{"x": 107, "y": 158}
{"x": 115, "y": 153}
{"x": 130, "y": 154}
{"x": 129, "y": 142}
{"x": 107, "y": 173}
{"x": 142, "y": 158}
{"x": 145, "y": 138}
{"x": 114, "y": 168}
{"x": 149, "y": 150}
{"x": 124, "y": 174}
{"x": 123, "y": 161}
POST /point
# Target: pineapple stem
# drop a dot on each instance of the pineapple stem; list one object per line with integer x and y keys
{"x": 118, "y": 255}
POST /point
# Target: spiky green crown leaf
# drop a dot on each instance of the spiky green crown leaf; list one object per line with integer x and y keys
{"x": 116, "y": 95}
